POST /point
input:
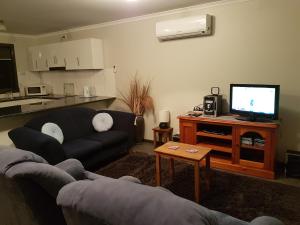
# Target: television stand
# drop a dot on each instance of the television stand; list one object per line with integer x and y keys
{"x": 238, "y": 146}
{"x": 254, "y": 119}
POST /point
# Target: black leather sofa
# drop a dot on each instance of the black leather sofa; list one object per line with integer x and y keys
{"x": 81, "y": 141}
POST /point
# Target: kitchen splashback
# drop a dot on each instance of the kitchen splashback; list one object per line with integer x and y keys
{"x": 103, "y": 81}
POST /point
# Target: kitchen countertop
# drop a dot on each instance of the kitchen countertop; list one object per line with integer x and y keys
{"x": 56, "y": 102}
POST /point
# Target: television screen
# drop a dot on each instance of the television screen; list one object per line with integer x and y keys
{"x": 257, "y": 100}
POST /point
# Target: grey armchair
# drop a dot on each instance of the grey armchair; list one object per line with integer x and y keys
{"x": 29, "y": 187}
{"x": 123, "y": 202}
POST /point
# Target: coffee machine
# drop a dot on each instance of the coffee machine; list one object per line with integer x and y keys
{"x": 212, "y": 104}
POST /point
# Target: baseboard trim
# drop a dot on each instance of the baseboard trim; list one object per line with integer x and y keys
{"x": 148, "y": 141}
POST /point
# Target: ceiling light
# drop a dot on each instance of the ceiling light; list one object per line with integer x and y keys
{"x": 131, "y": 0}
{"x": 2, "y": 26}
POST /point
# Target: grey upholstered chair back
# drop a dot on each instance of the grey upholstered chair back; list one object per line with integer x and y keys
{"x": 107, "y": 201}
{"x": 29, "y": 186}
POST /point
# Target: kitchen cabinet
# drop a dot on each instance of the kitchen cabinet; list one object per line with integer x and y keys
{"x": 55, "y": 55}
{"x": 84, "y": 54}
{"x": 38, "y": 59}
{"x": 81, "y": 54}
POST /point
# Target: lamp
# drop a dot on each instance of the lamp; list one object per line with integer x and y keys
{"x": 164, "y": 119}
{"x": 2, "y": 26}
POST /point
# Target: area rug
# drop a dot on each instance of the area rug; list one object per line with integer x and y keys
{"x": 239, "y": 196}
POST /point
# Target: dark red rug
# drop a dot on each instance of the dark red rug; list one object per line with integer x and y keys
{"x": 239, "y": 196}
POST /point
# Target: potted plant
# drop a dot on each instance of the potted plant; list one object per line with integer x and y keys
{"x": 139, "y": 101}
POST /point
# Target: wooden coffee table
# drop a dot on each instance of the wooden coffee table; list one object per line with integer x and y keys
{"x": 183, "y": 155}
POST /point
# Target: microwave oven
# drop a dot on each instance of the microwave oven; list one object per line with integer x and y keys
{"x": 36, "y": 90}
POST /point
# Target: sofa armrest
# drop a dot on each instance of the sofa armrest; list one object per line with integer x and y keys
{"x": 266, "y": 220}
{"x": 91, "y": 176}
{"x": 123, "y": 121}
{"x": 72, "y": 167}
{"x": 44, "y": 145}
{"x": 131, "y": 179}
{"x": 75, "y": 168}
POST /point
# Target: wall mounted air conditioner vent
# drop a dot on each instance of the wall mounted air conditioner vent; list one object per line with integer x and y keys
{"x": 184, "y": 27}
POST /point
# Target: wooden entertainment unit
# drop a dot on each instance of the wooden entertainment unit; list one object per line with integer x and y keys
{"x": 238, "y": 146}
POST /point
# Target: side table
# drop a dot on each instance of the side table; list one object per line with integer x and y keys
{"x": 161, "y": 136}
{"x": 181, "y": 154}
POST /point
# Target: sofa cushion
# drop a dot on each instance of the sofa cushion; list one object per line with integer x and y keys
{"x": 54, "y": 131}
{"x": 102, "y": 122}
{"x": 109, "y": 138}
{"x": 81, "y": 147}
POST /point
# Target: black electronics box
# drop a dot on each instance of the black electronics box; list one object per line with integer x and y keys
{"x": 212, "y": 105}
{"x": 292, "y": 168}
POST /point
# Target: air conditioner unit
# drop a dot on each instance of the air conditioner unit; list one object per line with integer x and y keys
{"x": 184, "y": 27}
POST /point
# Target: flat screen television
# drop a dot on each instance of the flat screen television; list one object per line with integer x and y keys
{"x": 255, "y": 102}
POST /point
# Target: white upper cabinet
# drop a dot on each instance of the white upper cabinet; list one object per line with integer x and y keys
{"x": 38, "y": 58}
{"x": 72, "y": 55}
{"x": 55, "y": 55}
{"x": 84, "y": 54}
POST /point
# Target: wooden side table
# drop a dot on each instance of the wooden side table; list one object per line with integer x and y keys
{"x": 182, "y": 155}
{"x": 161, "y": 136}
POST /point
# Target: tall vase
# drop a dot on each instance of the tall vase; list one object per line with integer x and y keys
{"x": 139, "y": 128}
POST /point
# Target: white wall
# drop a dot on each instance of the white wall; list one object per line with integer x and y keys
{"x": 255, "y": 41}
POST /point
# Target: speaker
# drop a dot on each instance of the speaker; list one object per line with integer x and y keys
{"x": 163, "y": 125}
{"x": 292, "y": 168}
{"x": 212, "y": 105}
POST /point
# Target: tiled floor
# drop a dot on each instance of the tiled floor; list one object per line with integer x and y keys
{"x": 147, "y": 148}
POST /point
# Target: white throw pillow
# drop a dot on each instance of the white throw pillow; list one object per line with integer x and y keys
{"x": 54, "y": 131}
{"x": 102, "y": 122}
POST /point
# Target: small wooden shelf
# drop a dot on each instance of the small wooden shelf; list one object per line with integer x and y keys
{"x": 220, "y": 147}
{"x": 221, "y": 157}
{"x": 219, "y": 136}
{"x": 262, "y": 148}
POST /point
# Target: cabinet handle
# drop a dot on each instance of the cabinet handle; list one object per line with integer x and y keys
{"x": 78, "y": 62}
{"x": 65, "y": 61}
{"x": 54, "y": 59}
{"x": 36, "y": 66}
{"x": 47, "y": 63}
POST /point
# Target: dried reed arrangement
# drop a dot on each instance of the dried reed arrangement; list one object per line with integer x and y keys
{"x": 138, "y": 98}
